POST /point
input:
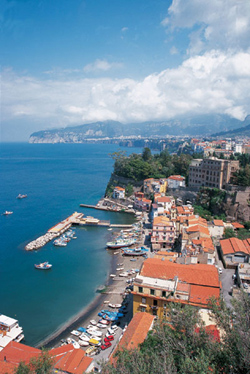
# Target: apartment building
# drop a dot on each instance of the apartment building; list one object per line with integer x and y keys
{"x": 163, "y": 233}
{"x": 161, "y": 282}
{"x": 211, "y": 172}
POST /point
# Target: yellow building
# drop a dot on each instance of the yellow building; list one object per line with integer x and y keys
{"x": 161, "y": 281}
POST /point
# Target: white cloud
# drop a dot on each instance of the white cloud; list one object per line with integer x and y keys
{"x": 124, "y": 29}
{"x": 174, "y": 51}
{"x": 100, "y": 65}
{"x": 217, "y": 82}
{"x": 221, "y": 24}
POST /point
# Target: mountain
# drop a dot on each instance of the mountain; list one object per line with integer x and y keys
{"x": 192, "y": 126}
{"x": 242, "y": 131}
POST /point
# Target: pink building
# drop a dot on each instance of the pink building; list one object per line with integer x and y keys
{"x": 163, "y": 233}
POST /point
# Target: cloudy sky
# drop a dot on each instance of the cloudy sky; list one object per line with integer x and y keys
{"x": 68, "y": 62}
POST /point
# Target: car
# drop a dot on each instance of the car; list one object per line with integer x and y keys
{"x": 220, "y": 270}
{"x": 106, "y": 345}
{"x": 109, "y": 338}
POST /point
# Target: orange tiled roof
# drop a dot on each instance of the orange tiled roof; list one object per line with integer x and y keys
{"x": 218, "y": 222}
{"x": 7, "y": 367}
{"x": 199, "y": 274}
{"x": 119, "y": 188}
{"x": 163, "y": 199}
{"x": 198, "y": 228}
{"x": 234, "y": 245}
{"x": 71, "y": 360}
{"x": 205, "y": 243}
{"x": 161, "y": 220}
{"x": 201, "y": 294}
{"x": 16, "y": 352}
{"x": 237, "y": 225}
{"x": 176, "y": 177}
{"x": 136, "y": 332}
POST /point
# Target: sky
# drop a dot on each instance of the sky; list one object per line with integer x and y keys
{"x": 70, "y": 62}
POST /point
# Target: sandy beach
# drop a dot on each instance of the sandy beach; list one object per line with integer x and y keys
{"x": 114, "y": 294}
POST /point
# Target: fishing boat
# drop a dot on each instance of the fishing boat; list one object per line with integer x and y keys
{"x": 135, "y": 252}
{"x": 43, "y": 266}
{"x": 60, "y": 243}
{"x": 120, "y": 243}
{"x": 6, "y": 213}
{"x": 20, "y": 196}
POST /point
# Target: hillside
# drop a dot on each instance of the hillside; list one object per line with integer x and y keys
{"x": 242, "y": 131}
{"x": 191, "y": 126}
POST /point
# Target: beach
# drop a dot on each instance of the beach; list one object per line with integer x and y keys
{"x": 114, "y": 294}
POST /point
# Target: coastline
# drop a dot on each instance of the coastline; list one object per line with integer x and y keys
{"x": 84, "y": 315}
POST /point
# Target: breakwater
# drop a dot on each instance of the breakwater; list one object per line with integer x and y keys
{"x": 54, "y": 232}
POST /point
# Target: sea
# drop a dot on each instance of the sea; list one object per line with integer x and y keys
{"x": 57, "y": 178}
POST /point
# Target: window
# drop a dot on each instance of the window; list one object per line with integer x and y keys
{"x": 155, "y": 302}
{"x": 152, "y": 292}
{"x": 164, "y": 294}
{"x": 143, "y": 309}
{"x": 143, "y": 300}
{"x": 140, "y": 289}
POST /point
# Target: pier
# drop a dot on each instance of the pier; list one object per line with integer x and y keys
{"x": 55, "y": 231}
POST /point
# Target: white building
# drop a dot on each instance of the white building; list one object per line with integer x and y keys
{"x": 176, "y": 181}
{"x": 9, "y": 331}
{"x": 118, "y": 193}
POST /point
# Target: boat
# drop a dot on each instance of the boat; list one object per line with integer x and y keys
{"x": 120, "y": 243}
{"x": 134, "y": 252}
{"x": 20, "y": 196}
{"x": 59, "y": 243}
{"x": 93, "y": 322}
{"x": 83, "y": 343}
{"x": 43, "y": 266}
{"x": 7, "y": 213}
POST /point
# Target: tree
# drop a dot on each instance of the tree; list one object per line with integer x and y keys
{"x": 229, "y": 233}
{"x": 43, "y": 364}
{"x": 146, "y": 155}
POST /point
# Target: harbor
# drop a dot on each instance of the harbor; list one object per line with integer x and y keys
{"x": 111, "y": 205}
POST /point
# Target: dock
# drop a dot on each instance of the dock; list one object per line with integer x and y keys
{"x": 109, "y": 206}
{"x": 54, "y": 232}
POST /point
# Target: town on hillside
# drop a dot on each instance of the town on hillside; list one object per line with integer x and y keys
{"x": 189, "y": 247}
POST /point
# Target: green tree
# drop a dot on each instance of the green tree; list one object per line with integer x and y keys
{"x": 229, "y": 233}
{"x": 43, "y": 364}
{"x": 23, "y": 369}
{"x": 146, "y": 154}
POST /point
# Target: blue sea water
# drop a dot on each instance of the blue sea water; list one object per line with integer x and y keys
{"x": 56, "y": 178}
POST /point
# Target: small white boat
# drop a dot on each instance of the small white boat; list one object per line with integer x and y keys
{"x": 76, "y": 333}
{"x": 85, "y": 337}
{"x": 93, "y": 322}
{"x": 112, "y": 275}
{"x": 101, "y": 326}
{"x": 104, "y": 322}
{"x": 83, "y": 343}
{"x": 7, "y": 213}
{"x": 20, "y": 196}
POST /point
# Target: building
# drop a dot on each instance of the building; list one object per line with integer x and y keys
{"x": 161, "y": 282}
{"x": 163, "y": 233}
{"x": 66, "y": 359}
{"x": 118, "y": 193}
{"x": 142, "y": 204}
{"x": 216, "y": 228}
{"x": 9, "y": 331}
{"x": 235, "y": 251}
{"x": 135, "y": 333}
{"x": 176, "y": 181}
{"x": 152, "y": 185}
{"x": 211, "y": 172}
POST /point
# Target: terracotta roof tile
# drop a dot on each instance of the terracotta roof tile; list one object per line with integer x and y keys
{"x": 237, "y": 225}
{"x": 136, "y": 332}
{"x": 201, "y": 294}
{"x": 199, "y": 274}
{"x": 16, "y": 352}
{"x": 7, "y": 367}
{"x": 218, "y": 222}
{"x": 233, "y": 245}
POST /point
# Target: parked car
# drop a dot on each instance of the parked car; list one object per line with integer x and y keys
{"x": 106, "y": 345}
{"x": 109, "y": 338}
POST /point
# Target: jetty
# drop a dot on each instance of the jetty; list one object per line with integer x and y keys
{"x": 54, "y": 232}
{"x": 110, "y": 206}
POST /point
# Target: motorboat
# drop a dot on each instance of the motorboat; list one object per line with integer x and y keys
{"x": 135, "y": 252}
{"x": 93, "y": 322}
{"x": 83, "y": 343}
{"x": 20, "y": 196}
{"x": 59, "y": 243}
{"x": 7, "y": 213}
{"x": 120, "y": 243}
{"x": 43, "y": 266}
